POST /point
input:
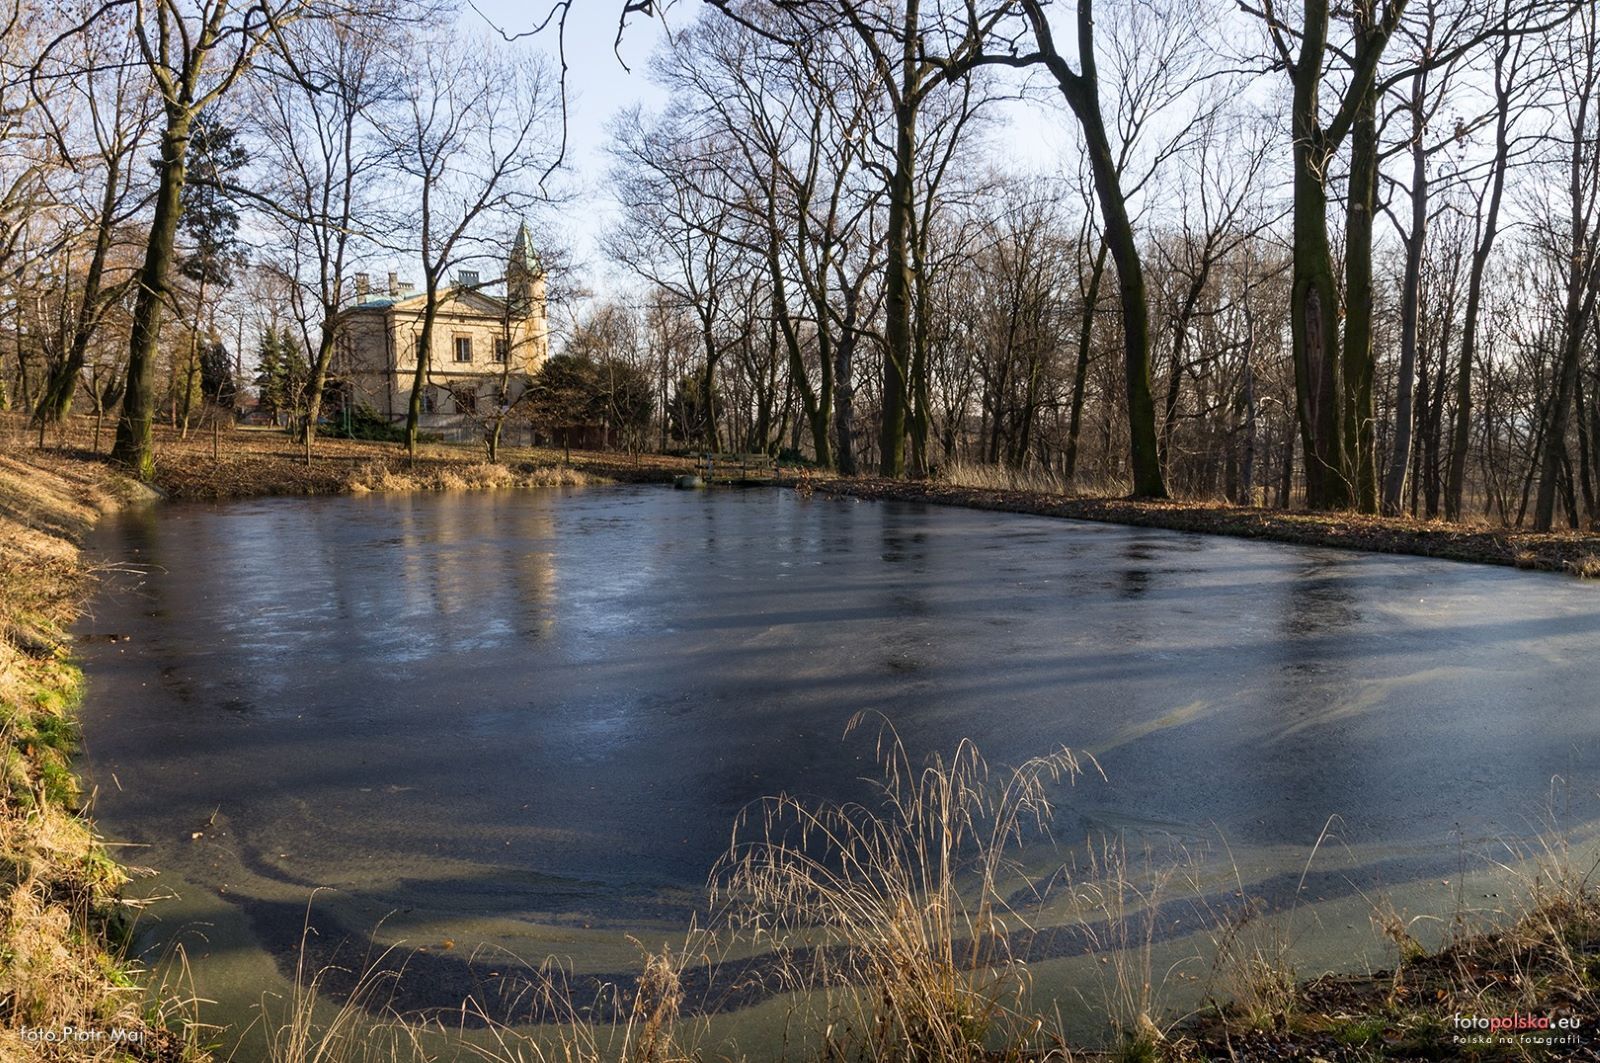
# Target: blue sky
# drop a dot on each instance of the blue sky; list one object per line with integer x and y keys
{"x": 1032, "y": 137}
{"x": 598, "y": 86}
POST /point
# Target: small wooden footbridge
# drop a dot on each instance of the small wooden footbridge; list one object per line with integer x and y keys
{"x": 741, "y": 470}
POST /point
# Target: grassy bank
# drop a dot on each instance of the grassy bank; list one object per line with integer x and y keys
{"x": 256, "y": 462}
{"x": 1438, "y": 1005}
{"x": 58, "y": 886}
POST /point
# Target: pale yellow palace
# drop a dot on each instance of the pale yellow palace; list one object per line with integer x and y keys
{"x": 480, "y": 341}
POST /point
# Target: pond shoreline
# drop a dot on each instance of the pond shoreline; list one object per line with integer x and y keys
{"x": 253, "y": 463}
{"x": 57, "y": 498}
{"x": 61, "y": 963}
{"x": 1573, "y": 553}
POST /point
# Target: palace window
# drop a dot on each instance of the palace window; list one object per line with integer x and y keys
{"x": 500, "y": 348}
{"x": 463, "y": 348}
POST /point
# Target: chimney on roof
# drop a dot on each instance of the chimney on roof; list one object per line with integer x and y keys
{"x": 467, "y": 278}
{"x": 394, "y": 284}
{"x": 363, "y": 288}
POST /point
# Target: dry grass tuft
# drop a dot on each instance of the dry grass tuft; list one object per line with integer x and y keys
{"x": 361, "y": 1026}
{"x": 1002, "y": 478}
{"x": 1034, "y": 479}
{"x": 1585, "y": 567}
{"x": 900, "y": 917}
{"x": 463, "y": 476}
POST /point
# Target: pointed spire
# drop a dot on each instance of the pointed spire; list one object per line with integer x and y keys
{"x": 523, "y": 256}
{"x": 521, "y": 271}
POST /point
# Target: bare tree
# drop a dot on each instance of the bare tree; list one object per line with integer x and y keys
{"x": 317, "y": 94}
{"x": 1510, "y": 99}
{"x": 678, "y": 232}
{"x": 1576, "y": 241}
{"x": 470, "y": 139}
{"x": 195, "y": 51}
{"x": 97, "y": 110}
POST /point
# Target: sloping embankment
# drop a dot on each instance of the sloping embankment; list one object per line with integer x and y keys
{"x": 62, "y": 993}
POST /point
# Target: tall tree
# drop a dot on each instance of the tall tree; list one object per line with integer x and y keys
{"x": 318, "y": 93}
{"x": 1081, "y": 88}
{"x": 471, "y": 140}
{"x": 195, "y": 51}
{"x": 98, "y": 111}
{"x": 1576, "y": 238}
{"x": 677, "y": 233}
{"x": 210, "y": 225}
{"x": 1320, "y": 374}
{"x": 1509, "y": 60}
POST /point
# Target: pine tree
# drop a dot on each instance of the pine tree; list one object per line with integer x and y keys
{"x": 216, "y": 375}
{"x": 269, "y": 373}
{"x": 210, "y": 223}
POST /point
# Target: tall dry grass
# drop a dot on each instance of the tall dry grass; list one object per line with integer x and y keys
{"x": 1034, "y": 478}
{"x": 1117, "y": 900}
{"x": 390, "y": 476}
{"x": 362, "y": 1025}
{"x": 899, "y": 919}
{"x": 58, "y": 889}
{"x": 1546, "y": 932}
{"x": 987, "y": 477}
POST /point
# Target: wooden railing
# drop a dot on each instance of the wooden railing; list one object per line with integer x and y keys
{"x": 737, "y": 468}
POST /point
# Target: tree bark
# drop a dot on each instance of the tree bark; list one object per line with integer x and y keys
{"x": 1359, "y": 437}
{"x": 897, "y": 280}
{"x": 1080, "y": 373}
{"x": 844, "y": 387}
{"x": 1410, "y": 307}
{"x": 134, "y": 446}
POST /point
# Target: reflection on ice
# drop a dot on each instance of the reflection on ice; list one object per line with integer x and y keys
{"x": 554, "y": 703}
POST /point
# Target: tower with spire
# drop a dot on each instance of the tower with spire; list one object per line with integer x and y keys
{"x": 485, "y": 350}
{"x": 524, "y": 275}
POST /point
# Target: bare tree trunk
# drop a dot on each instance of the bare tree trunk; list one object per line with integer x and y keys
{"x": 1360, "y": 438}
{"x": 191, "y": 367}
{"x": 57, "y": 399}
{"x": 419, "y": 373}
{"x": 1080, "y": 373}
{"x": 134, "y": 446}
{"x": 844, "y": 387}
{"x": 1583, "y": 280}
{"x": 1286, "y": 480}
{"x": 1082, "y": 93}
{"x": 1411, "y": 296}
{"x": 898, "y": 283}
{"x": 1461, "y": 432}
{"x": 1247, "y": 459}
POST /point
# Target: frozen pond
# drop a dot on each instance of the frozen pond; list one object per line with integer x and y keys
{"x": 528, "y": 719}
